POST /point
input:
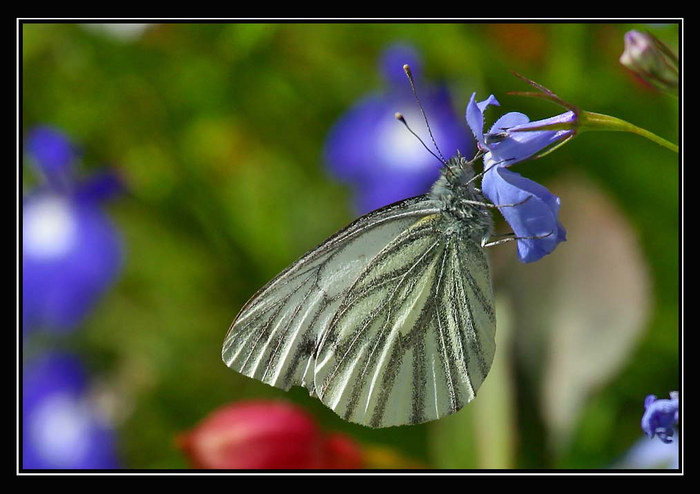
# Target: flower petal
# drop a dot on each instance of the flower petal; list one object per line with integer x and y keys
{"x": 508, "y": 121}
{"x": 100, "y": 186}
{"x": 521, "y": 144}
{"x": 568, "y": 118}
{"x": 71, "y": 253}
{"x": 475, "y": 116}
{"x": 61, "y": 427}
{"x": 377, "y": 193}
{"x": 660, "y": 417}
{"x": 51, "y": 152}
{"x": 536, "y": 214}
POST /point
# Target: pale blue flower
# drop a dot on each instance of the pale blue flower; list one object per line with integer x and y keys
{"x": 530, "y": 209}
{"x": 660, "y": 416}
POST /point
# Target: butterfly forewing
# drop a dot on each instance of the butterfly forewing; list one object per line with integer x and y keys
{"x": 414, "y": 337}
{"x": 274, "y": 336}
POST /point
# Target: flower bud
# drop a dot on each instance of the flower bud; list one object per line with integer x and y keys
{"x": 649, "y": 58}
{"x": 266, "y": 435}
{"x": 340, "y": 452}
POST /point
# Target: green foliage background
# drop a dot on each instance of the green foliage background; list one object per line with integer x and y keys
{"x": 218, "y": 131}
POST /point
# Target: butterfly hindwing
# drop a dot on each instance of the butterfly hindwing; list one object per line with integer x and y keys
{"x": 274, "y": 336}
{"x": 391, "y": 320}
{"x": 414, "y": 337}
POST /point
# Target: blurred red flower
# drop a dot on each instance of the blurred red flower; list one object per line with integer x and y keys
{"x": 267, "y": 435}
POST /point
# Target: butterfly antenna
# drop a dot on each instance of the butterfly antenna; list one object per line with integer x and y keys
{"x": 401, "y": 119}
{"x": 409, "y": 74}
{"x": 448, "y": 170}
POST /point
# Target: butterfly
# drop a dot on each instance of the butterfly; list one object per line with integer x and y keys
{"x": 388, "y": 322}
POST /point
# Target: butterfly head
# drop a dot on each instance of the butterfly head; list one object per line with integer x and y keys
{"x": 459, "y": 197}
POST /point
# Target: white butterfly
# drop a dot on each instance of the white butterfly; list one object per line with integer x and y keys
{"x": 388, "y": 322}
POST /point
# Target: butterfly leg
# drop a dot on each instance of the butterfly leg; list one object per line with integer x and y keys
{"x": 489, "y": 205}
{"x": 509, "y": 237}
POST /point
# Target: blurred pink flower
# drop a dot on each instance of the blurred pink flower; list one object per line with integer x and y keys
{"x": 266, "y": 435}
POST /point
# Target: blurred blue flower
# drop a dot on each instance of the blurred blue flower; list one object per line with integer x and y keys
{"x": 530, "y": 209}
{"x": 376, "y": 155}
{"x": 71, "y": 252}
{"x": 61, "y": 427}
{"x": 52, "y": 154}
{"x": 660, "y": 416}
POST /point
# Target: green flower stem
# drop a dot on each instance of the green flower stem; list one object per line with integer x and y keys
{"x": 586, "y": 120}
{"x": 597, "y": 121}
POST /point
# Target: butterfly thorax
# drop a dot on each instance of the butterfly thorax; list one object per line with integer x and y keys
{"x": 458, "y": 196}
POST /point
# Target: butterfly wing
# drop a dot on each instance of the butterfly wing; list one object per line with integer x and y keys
{"x": 415, "y": 336}
{"x": 275, "y": 335}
